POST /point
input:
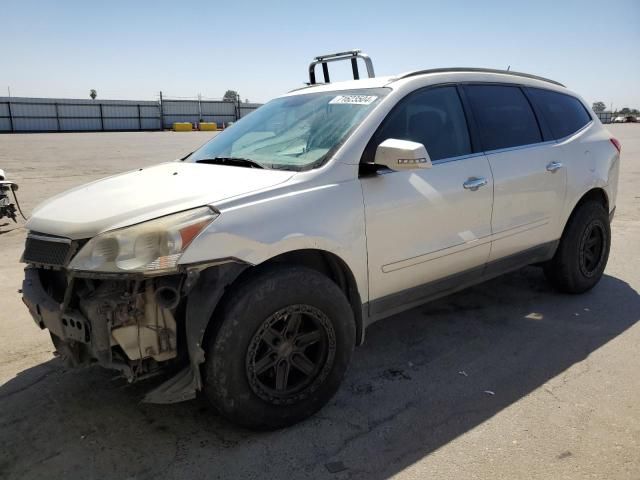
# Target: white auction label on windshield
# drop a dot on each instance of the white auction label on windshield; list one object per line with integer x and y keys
{"x": 354, "y": 99}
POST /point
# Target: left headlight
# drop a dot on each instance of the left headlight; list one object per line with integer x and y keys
{"x": 150, "y": 247}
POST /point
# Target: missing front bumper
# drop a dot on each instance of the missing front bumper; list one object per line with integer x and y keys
{"x": 116, "y": 323}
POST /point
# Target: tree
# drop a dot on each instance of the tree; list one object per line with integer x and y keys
{"x": 625, "y": 111}
{"x": 230, "y": 96}
{"x": 598, "y": 107}
{"x": 93, "y": 94}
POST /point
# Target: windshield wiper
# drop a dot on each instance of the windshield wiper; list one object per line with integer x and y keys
{"x": 233, "y": 161}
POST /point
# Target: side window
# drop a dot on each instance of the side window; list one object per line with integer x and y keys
{"x": 433, "y": 117}
{"x": 564, "y": 114}
{"x": 504, "y": 117}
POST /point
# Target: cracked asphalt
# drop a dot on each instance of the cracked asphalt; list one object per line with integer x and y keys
{"x": 504, "y": 380}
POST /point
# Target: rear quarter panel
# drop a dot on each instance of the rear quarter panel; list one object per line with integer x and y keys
{"x": 592, "y": 162}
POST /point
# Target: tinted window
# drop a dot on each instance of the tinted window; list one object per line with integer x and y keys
{"x": 504, "y": 116}
{"x": 564, "y": 114}
{"x": 433, "y": 117}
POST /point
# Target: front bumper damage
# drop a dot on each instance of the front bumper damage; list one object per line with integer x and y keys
{"x": 139, "y": 326}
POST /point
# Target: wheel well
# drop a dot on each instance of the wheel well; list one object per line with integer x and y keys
{"x": 322, "y": 261}
{"x": 595, "y": 194}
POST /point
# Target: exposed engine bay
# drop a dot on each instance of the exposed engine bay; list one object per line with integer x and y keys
{"x": 128, "y": 325}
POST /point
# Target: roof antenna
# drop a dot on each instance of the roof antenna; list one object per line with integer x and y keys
{"x": 508, "y": 67}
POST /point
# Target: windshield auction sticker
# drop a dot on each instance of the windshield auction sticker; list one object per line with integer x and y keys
{"x": 353, "y": 99}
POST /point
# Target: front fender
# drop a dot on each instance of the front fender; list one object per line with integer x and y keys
{"x": 328, "y": 217}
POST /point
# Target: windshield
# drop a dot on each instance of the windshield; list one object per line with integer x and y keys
{"x": 293, "y": 133}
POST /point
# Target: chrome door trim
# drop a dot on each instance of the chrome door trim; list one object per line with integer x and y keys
{"x": 455, "y": 159}
{"x": 520, "y": 147}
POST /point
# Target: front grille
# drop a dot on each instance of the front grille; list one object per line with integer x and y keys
{"x": 47, "y": 250}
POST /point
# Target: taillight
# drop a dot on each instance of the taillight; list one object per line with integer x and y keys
{"x": 617, "y": 144}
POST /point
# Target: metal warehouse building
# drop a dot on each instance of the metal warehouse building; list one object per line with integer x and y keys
{"x": 20, "y": 114}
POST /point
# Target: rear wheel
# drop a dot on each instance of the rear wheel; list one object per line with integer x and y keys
{"x": 583, "y": 252}
{"x": 283, "y": 345}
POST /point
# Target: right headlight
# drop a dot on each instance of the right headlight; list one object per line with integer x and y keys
{"x": 150, "y": 247}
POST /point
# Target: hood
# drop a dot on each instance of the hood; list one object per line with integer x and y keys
{"x": 144, "y": 194}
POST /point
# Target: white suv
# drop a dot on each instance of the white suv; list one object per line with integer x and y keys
{"x": 252, "y": 267}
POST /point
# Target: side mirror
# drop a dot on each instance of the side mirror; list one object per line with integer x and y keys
{"x": 402, "y": 155}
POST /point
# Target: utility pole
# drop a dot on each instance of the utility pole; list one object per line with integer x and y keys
{"x": 9, "y": 90}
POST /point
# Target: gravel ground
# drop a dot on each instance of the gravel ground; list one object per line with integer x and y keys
{"x": 504, "y": 380}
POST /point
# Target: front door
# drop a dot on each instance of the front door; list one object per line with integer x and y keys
{"x": 427, "y": 230}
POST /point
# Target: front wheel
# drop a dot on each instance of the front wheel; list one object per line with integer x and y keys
{"x": 281, "y": 350}
{"x": 583, "y": 252}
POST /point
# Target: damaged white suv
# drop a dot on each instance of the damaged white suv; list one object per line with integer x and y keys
{"x": 251, "y": 268}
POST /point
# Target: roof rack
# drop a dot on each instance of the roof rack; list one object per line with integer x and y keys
{"x": 481, "y": 70}
{"x": 352, "y": 55}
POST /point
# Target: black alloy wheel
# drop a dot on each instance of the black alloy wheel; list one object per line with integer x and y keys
{"x": 290, "y": 354}
{"x": 592, "y": 248}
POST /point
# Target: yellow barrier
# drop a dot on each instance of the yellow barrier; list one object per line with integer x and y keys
{"x": 208, "y": 126}
{"x": 182, "y": 127}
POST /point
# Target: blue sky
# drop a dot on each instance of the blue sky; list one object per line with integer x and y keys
{"x": 133, "y": 49}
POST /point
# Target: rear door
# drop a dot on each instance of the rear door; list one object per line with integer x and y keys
{"x": 528, "y": 173}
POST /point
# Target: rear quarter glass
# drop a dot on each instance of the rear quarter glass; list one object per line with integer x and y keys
{"x": 563, "y": 113}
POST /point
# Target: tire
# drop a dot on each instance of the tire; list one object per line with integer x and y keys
{"x": 582, "y": 255}
{"x": 257, "y": 372}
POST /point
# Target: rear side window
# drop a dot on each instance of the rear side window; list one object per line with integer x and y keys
{"x": 564, "y": 114}
{"x": 504, "y": 117}
{"x": 433, "y": 117}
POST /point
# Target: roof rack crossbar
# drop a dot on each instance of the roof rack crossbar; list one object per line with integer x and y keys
{"x": 351, "y": 55}
{"x": 480, "y": 70}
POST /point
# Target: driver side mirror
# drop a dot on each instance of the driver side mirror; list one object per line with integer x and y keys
{"x": 402, "y": 155}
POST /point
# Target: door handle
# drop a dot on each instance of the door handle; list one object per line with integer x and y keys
{"x": 474, "y": 183}
{"x": 554, "y": 166}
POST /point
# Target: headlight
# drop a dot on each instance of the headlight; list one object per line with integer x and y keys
{"x": 149, "y": 247}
